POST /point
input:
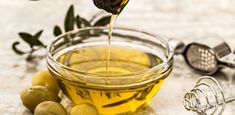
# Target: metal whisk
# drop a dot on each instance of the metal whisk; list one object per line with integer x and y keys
{"x": 207, "y": 97}
{"x": 206, "y": 55}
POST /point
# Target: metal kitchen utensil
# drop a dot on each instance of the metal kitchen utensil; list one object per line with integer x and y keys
{"x": 206, "y": 55}
{"x": 207, "y": 97}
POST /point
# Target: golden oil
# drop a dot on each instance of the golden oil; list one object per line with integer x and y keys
{"x": 112, "y": 20}
{"x": 124, "y": 60}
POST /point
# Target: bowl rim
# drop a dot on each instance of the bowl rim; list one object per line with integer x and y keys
{"x": 169, "y": 58}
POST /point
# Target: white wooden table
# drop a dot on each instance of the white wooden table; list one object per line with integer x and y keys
{"x": 182, "y": 19}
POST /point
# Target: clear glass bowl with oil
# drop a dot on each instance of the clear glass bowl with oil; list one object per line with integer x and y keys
{"x": 138, "y": 64}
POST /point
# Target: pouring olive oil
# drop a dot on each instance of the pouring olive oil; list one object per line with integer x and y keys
{"x": 115, "y": 7}
{"x": 107, "y": 75}
{"x": 112, "y": 20}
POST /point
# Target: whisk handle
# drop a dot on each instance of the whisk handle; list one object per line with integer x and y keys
{"x": 231, "y": 99}
{"x": 227, "y": 100}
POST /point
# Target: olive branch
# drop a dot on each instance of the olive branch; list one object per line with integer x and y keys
{"x": 71, "y": 22}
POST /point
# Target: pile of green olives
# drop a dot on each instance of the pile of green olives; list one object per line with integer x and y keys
{"x": 42, "y": 98}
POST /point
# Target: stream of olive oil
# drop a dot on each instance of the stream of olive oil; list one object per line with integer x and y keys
{"x": 112, "y": 20}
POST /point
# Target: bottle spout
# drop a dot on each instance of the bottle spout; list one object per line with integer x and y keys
{"x": 111, "y": 6}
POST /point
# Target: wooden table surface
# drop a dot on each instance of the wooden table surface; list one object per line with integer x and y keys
{"x": 186, "y": 20}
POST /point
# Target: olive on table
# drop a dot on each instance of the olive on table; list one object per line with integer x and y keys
{"x": 34, "y": 95}
{"x": 50, "y": 108}
{"x": 84, "y": 109}
{"x": 44, "y": 78}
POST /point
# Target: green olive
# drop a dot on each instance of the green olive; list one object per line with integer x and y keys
{"x": 50, "y": 108}
{"x": 84, "y": 109}
{"x": 44, "y": 78}
{"x": 34, "y": 95}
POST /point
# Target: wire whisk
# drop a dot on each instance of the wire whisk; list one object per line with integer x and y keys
{"x": 207, "y": 97}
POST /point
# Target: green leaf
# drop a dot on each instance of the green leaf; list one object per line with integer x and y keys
{"x": 36, "y": 40}
{"x": 69, "y": 19}
{"x": 57, "y": 31}
{"x": 84, "y": 22}
{"x": 16, "y": 50}
{"x": 27, "y": 38}
{"x": 32, "y": 40}
{"x": 38, "y": 34}
{"x": 78, "y": 22}
{"x": 103, "y": 21}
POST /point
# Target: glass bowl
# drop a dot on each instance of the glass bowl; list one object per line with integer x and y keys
{"x": 139, "y": 63}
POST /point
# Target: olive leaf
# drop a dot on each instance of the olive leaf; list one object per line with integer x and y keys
{"x": 78, "y": 22}
{"x": 36, "y": 40}
{"x": 16, "y": 50}
{"x": 37, "y": 35}
{"x": 70, "y": 23}
{"x": 83, "y": 22}
{"x": 57, "y": 31}
{"x": 69, "y": 20}
{"x": 32, "y": 40}
{"x": 103, "y": 21}
{"x": 27, "y": 38}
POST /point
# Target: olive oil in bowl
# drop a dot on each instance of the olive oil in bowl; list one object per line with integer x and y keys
{"x": 137, "y": 68}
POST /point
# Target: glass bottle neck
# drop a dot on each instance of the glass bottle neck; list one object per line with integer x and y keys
{"x": 111, "y": 6}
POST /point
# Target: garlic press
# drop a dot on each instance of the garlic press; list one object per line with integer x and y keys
{"x": 205, "y": 55}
